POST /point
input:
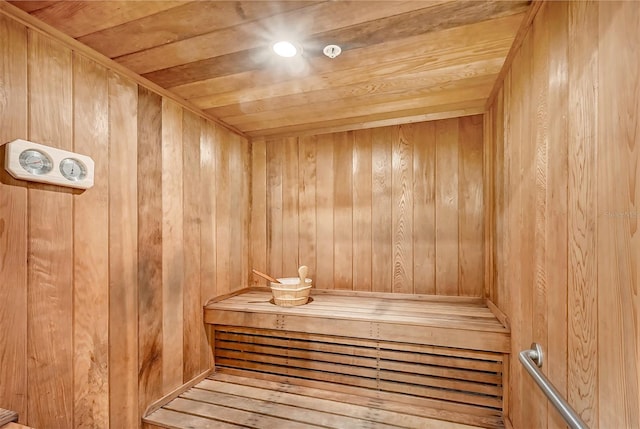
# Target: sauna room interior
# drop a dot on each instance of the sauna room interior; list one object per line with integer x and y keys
{"x": 460, "y": 178}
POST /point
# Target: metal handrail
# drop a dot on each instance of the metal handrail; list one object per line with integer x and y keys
{"x": 532, "y": 360}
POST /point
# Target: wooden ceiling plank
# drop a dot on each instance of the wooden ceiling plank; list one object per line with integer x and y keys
{"x": 383, "y": 30}
{"x": 310, "y": 20}
{"x": 183, "y": 22}
{"x": 388, "y": 86}
{"x": 358, "y": 106}
{"x": 416, "y": 67}
{"x": 469, "y": 38}
{"x": 437, "y": 18}
{"x": 32, "y": 5}
{"x": 432, "y": 113}
{"x": 77, "y": 18}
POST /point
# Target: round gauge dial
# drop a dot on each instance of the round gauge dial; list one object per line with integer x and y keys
{"x": 35, "y": 162}
{"x": 72, "y": 169}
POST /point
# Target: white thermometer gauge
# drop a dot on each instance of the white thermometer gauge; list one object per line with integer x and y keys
{"x": 72, "y": 169}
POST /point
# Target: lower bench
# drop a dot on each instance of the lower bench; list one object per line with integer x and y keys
{"x": 418, "y": 357}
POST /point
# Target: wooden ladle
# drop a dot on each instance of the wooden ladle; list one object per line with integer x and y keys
{"x": 265, "y": 276}
{"x": 302, "y": 272}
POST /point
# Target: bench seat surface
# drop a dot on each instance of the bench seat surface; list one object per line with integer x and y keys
{"x": 459, "y": 322}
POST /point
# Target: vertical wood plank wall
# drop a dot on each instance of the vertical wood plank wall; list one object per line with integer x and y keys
{"x": 561, "y": 161}
{"x": 101, "y": 291}
{"x": 394, "y": 209}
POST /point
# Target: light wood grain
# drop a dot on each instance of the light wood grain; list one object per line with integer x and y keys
{"x": 316, "y": 19}
{"x": 442, "y": 44}
{"x": 402, "y": 210}
{"x": 471, "y": 204}
{"x": 343, "y": 211}
{"x": 80, "y": 18}
{"x": 424, "y": 239}
{"x": 176, "y": 21}
{"x": 259, "y": 208}
{"x": 219, "y": 54}
{"x": 446, "y": 198}
{"x": 362, "y": 213}
{"x": 172, "y": 245}
{"x": 208, "y": 242}
{"x": 192, "y": 301}
{"x": 582, "y": 289}
{"x": 557, "y": 256}
{"x": 224, "y": 212}
{"x": 307, "y": 221}
{"x": 50, "y": 269}
{"x": 618, "y": 305}
{"x": 274, "y": 191}
{"x": 91, "y": 248}
{"x": 290, "y": 207}
{"x": 123, "y": 252}
{"x": 325, "y": 189}
{"x": 381, "y": 155}
{"x": 13, "y": 225}
{"x": 237, "y": 215}
{"x": 63, "y": 39}
{"x": 565, "y": 152}
{"x": 91, "y": 302}
{"x": 150, "y": 260}
{"x": 381, "y": 199}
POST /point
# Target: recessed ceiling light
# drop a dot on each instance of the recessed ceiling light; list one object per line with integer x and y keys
{"x": 285, "y": 49}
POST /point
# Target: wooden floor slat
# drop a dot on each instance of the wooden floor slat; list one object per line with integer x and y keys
{"x": 225, "y": 401}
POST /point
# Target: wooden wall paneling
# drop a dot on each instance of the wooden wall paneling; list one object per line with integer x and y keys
{"x": 275, "y": 160}
{"x": 150, "y": 255}
{"x": 618, "y": 194}
{"x": 123, "y": 253}
{"x": 488, "y": 187}
{"x": 500, "y": 294}
{"x": 539, "y": 85}
{"x": 246, "y": 208}
{"x": 224, "y": 213}
{"x": 368, "y": 197}
{"x": 381, "y": 158}
{"x": 556, "y": 253}
{"x": 402, "y": 209}
{"x": 516, "y": 225}
{"x": 236, "y": 215}
{"x": 446, "y": 168}
{"x": 259, "y": 209}
{"x": 507, "y": 246}
{"x": 13, "y": 224}
{"x": 50, "y": 270}
{"x": 208, "y": 242}
{"x": 424, "y": 216}
{"x": 290, "y": 214}
{"x": 582, "y": 293}
{"x": 324, "y": 211}
{"x": 362, "y": 203}
{"x": 343, "y": 211}
{"x": 470, "y": 212}
{"x": 91, "y": 248}
{"x": 307, "y": 223}
{"x": 172, "y": 246}
{"x": 192, "y": 306}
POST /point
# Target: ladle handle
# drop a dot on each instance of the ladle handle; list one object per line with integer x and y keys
{"x": 265, "y": 276}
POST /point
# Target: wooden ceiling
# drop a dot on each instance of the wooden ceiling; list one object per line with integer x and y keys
{"x": 402, "y": 61}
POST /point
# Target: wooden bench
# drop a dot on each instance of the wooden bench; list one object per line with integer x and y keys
{"x": 399, "y": 358}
